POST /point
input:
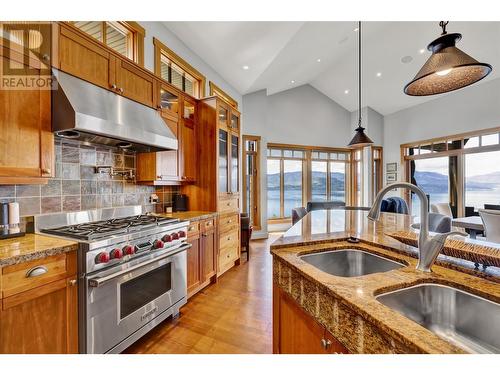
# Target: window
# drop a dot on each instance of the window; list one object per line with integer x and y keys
{"x": 216, "y": 90}
{"x": 173, "y": 69}
{"x": 126, "y": 38}
{"x": 298, "y": 174}
{"x": 284, "y": 182}
{"x": 377, "y": 169}
{"x": 357, "y": 164}
{"x": 461, "y": 170}
{"x": 482, "y": 179}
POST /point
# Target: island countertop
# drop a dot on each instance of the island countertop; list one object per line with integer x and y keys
{"x": 32, "y": 246}
{"x": 347, "y": 306}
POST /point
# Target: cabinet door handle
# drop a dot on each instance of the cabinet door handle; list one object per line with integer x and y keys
{"x": 325, "y": 343}
{"x": 37, "y": 271}
{"x": 46, "y": 171}
{"x": 72, "y": 282}
{"x": 121, "y": 90}
{"x": 113, "y": 86}
{"x": 159, "y": 177}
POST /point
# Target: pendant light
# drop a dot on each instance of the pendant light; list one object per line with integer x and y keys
{"x": 447, "y": 69}
{"x": 360, "y": 139}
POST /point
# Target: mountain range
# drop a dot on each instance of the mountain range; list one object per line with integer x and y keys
{"x": 431, "y": 182}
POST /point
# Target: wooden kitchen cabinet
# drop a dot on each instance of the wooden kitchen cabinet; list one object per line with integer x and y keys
{"x": 82, "y": 56}
{"x": 202, "y": 256}
{"x": 193, "y": 264}
{"x": 133, "y": 83}
{"x": 27, "y": 147}
{"x": 296, "y": 332}
{"x": 177, "y": 166}
{"x": 217, "y": 184}
{"x": 39, "y": 315}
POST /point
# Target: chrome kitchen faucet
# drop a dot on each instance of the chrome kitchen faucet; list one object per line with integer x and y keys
{"x": 429, "y": 247}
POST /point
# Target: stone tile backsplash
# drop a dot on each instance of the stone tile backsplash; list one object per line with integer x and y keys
{"x": 76, "y": 186}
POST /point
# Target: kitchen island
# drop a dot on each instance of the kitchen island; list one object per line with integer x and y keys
{"x": 316, "y": 312}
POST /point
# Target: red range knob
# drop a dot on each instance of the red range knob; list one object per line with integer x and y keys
{"x": 116, "y": 254}
{"x": 182, "y": 234}
{"x": 158, "y": 244}
{"x": 175, "y": 236}
{"x": 102, "y": 258}
{"x": 128, "y": 250}
{"x": 167, "y": 238}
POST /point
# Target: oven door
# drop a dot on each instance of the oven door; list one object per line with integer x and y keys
{"x": 121, "y": 301}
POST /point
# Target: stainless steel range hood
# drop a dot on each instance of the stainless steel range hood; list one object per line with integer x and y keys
{"x": 83, "y": 111}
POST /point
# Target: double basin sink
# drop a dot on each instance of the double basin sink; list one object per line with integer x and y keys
{"x": 464, "y": 319}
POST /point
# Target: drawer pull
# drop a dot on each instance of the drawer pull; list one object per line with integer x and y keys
{"x": 191, "y": 229}
{"x": 36, "y": 271}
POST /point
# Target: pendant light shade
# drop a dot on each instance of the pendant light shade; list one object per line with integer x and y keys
{"x": 360, "y": 139}
{"x": 447, "y": 69}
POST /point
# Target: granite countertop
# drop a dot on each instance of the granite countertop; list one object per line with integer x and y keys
{"x": 190, "y": 215}
{"x": 32, "y": 246}
{"x": 347, "y": 306}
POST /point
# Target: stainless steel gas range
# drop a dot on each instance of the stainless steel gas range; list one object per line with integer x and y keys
{"x": 131, "y": 270}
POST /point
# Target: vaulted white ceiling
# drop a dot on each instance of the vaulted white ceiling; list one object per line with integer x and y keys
{"x": 278, "y": 53}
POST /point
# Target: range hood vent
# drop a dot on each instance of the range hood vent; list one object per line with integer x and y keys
{"x": 83, "y": 111}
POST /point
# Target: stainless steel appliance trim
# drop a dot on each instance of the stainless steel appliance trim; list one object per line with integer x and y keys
{"x": 172, "y": 311}
{"x": 96, "y": 282}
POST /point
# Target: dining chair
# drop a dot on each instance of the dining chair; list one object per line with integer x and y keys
{"x": 441, "y": 208}
{"x": 438, "y": 223}
{"x": 491, "y": 222}
{"x": 491, "y": 206}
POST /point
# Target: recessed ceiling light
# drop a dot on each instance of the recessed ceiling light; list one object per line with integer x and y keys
{"x": 379, "y": 74}
{"x": 292, "y": 81}
{"x": 318, "y": 60}
{"x": 421, "y": 51}
{"x": 356, "y": 29}
{"x": 346, "y": 92}
{"x": 406, "y": 59}
{"x": 246, "y": 67}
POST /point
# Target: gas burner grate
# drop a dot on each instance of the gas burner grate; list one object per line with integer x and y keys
{"x": 106, "y": 228}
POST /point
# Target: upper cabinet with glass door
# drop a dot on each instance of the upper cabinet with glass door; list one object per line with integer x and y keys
{"x": 235, "y": 120}
{"x": 169, "y": 101}
{"x": 222, "y": 114}
{"x": 189, "y": 111}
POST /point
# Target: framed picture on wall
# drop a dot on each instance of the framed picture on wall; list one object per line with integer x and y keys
{"x": 391, "y": 167}
{"x": 391, "y": 177}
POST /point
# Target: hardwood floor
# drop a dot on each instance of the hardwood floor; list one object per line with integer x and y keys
{"x": 232, "y": 316}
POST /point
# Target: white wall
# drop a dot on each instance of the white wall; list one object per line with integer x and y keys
{"x": 301, "y": 116}
{"x": 162, "y": 33}
{"x": 473, "y": 108}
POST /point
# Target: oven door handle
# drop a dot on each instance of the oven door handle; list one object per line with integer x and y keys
{"x": 99, "y": 281}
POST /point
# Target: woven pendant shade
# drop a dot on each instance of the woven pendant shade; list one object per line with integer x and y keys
{"x": 447, "y": 69}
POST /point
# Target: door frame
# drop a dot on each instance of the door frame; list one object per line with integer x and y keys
{"x": 257, "y": 209}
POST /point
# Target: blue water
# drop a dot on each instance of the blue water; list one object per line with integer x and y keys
{"x": 293, "y": 198}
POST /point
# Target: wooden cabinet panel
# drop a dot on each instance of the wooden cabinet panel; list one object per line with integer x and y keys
{"x": 21, "y": 277}
{"x": 27, "y": 142}
{"x": 296, "y": 332}
{"x": 82, "y": 58}
{"x": 188, "y": 154}
{"x": 229, "y": 203}
{"x": 41, "y": 317}
{"x": 193, "y": 266}
{"x": 134, "y": 83}
{"x": 229, "y": 222}
{"x": 209, "y": 250}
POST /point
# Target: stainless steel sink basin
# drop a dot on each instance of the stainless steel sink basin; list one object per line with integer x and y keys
{"x": 350, "y": 262}
{"x": 466, "y": 320}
